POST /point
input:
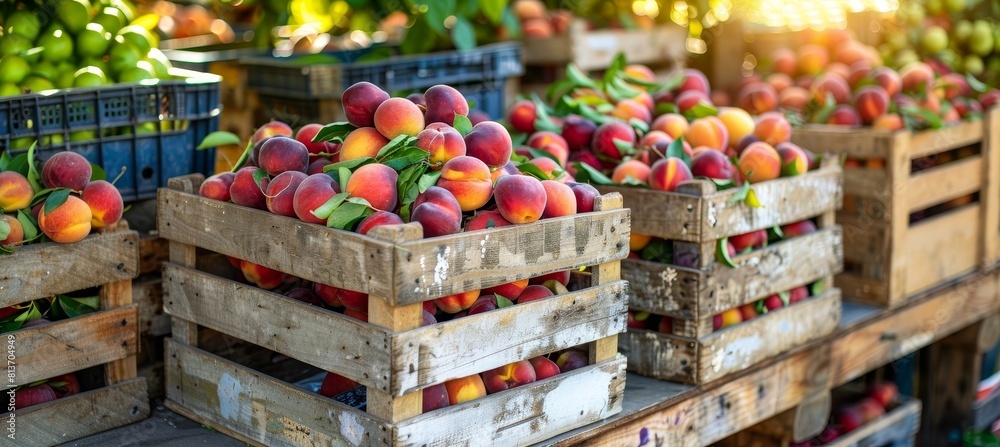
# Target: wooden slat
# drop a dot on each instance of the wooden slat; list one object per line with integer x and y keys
{"x": 69, "y": 345}
{"x": 443, "y": 351}
{"x": 324, "y": 339}
{"x": 930, "y": 142}
{"x": 690, "y": 294}
{"x": 526, "y": 414}
{"x": 147, "y": 292}
{"x": 80, "y": 415}
{"x": 940, "y": 248}
{"x": 660, "y": 356}
{"x": 990, "y": 193}
{"x": 862, "y": 290}
{"x": 863, "y": 182}
{"x": 897, "y": 426}
{"x": 942, "y": 183}
{"x": 738, "y": 347}
{"x": 236, "y": 400}
{"x": 36, "y": 271}
{"x": 863, "y": 143}
{"x": 153, "y": 252}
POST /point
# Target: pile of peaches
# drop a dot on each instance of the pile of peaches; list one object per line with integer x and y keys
{"x": 849, "y": 416}
{"x": 396, "y": 160}
{"x": 65, "y": 200}
{"x": 837, "y": 80}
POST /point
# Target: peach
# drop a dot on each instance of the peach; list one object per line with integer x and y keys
{"x": 839, "y": 69}
{"x": 916, "y": 77}
{"x": 398, "y": 116}
{"x": 559, "y": 201}
{"x": 577, "y": 131}
{"x": 551, "y": 168}
{"x": 870, "y": 409}
{"x": 33, "y": 395}
{"x": 361, "y": 101}
{"x": 15, "y": 232}
{"x": 520, "y": 198}
{"x": 773, "y": 128}
{"x": 848, "y": 418}
{"x": 832, "y": 84}
{"x": 544, "y": 368}
{"x": 647, "y": 101}
{"x": 434, "y": 397}
{"x": 635, "y": 169}
{"x": 667, "y": 173}
{"x": 637, "y": 242}
{"x": 245, "y": 191}
{"x": 793, "y": 160}
{"x": 858, "y": 72}
{"x": 738, "y": 123}
{"x": 640, "y": 72}
{"x": 687, "y": 100}
{"x": 457, "y": 302}
{"x": 561, "y": 277}
{"x": 537, "y": 28}
{"x": 438, "y": 211}
{"x": 509, "y": 290}
{"x": 105, "y": 203}
{"x": 362, "y": 142}
{"x": 353, "y": 300}
{"x": 585, "y": 195}
{"x": 989, "y": 99}
{"x": 280, "y": 193}
{"x": 885, "y": 393}
{"x": 465, "y": 389}
{"x": 271, "y": 129}
{"x": 486, "y": 219}
{"x": 335, "y": 384}
{"x": 812, "y": 59}
{"x": 797, "y": 294}
{"x": 889, "y": 79}
{"x": 930, "y": 103}
{"x": 804, "y": 81}
{"x": 889, "y": 121}
{"x": 442, "y": 142}
{"x": 316, "y": 167}
{"x": 603, "y": 140}
{"x": 16, "y": 191}
{"x": 712, "y": 164}
{"x": 375, "y": 183}
{"x": 542, "y": 138}
{"x": 484, "y": 303}
{"x": 356, "y": 314}
{"x": 694, "y": 79}
{"x": 748, "y": 312}
{"x": 783, "y": 60}
{"x": 261, "y": 276}
{"x": 709, "y": 131}
{"x": 509, "y": 376}
{"x": 314, "y": 191}
{"x": 757, "y": 98}
{"x": 760, "y": 162}
{"x": 727, "y": 318}
{"x": 779, "y": 81}
{"x": 478, "y": 116}
{"x": 417, "y": 99}
{"x": 443, "y": 103}
{"x": 844, "y": 115}
{"x": 217, "y": 186}
{"x": 966, "y": 107}
{"x": 305, "y": 295}
{"x": 469, "y": 180}
{"x": 305, "y": 136}
{"x": 627, "y": 109}
{"x": 280, "y": 154}
{"x": 871, "y": 101}
{"x": 672, "y": 124}
{"x": 489, "y": 142}
{"x": 522, "y": 116}
{"x": 794, "y": 98}
{"x": 64, "y": 385}
{"x": 570, "y": 360}
{"x": 67, "y": 223}
{"x": 751, "y": 240}
{"x": 66, "y": 170}
{"x": 378, "y": 219}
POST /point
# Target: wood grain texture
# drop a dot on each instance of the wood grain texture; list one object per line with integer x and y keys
{"x": 153, "y": 252}
{"x": 264, "y": 411}
{"x": 941, "y": 248}
{"x": 147, "y": 292}
{"x": 990, "y": 193}
{"x": 868, "y": 143}
{"x": 80, "y": 415}
{"x": 692, "y": 294}
{"x": 41, "y": 270}
{"x": 897, "y": 427}
{"x": 660, "y": 356}
{"x": 865, "y": 183}
{"x": 942, "y": 183}
{"x": 799, "y": 424}
{"x": 934, "y": 141}
{"x": 71, "y": 345}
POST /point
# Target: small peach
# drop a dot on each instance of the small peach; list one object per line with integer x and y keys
{"x": 760, "y": 162}
{"x": 667, "y": 173}
{"x": 361, "y": 101}
{"x": 217, "y": 186}
{"x": 375, "y": 183}
{"x": 105, "y": 202}
{"x": 66, "y": 170}
{"x": 635, "y": 169}
{"x": 559, "y": 201}
{"x": 15, "y": 191}
{"x": 442, "y": 142}
{"x": 709, "y": 131}
{"x": 443, "y": 103}
{"x": 67, "y": 223}
{"x": 486, "y": 219}
{"x": 362, "y": 142}
{"x": 773, "y": 128}
{"x": 438, "y": 212}
{"x": 469, "y": 180}
{"x": 672, "y": 124}
{"x": 398, "y": 116}
{"x": 314, "y": 191}
{"x": 15, "y": 233}
{"x": 491, "y": 143}
{"x": 280, "y": 193}
{"x": 520, "y": 198}
{"x": 465, "y": 389}
{"x": 738, "y": 123}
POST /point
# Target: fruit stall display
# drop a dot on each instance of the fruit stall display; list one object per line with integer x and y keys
{"x": 66, "y": 300}
{"x": 416, "y": 298}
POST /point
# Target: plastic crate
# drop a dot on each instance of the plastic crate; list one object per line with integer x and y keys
{"x": 296, "y": 76}
{"x": 164, "y": 122}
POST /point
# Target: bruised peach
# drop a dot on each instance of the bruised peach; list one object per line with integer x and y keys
{"x": 712, "y": 164}
{"x": 280, "y": 193}
{"x": 314, "y": 191}
{"x": 465, "y": 389}
{"x": 443, "y": 103}
{"x": 522, "y": 116}
{"x": 378, "y": 219}
{"x": 794, "y": 98}
{"x": 486, "y": 219}
{"x": 773, "y": 128}
{"x": 434, "y": 397}
{"x": 438, "y": 212}
{"x": 635, "y": 169}
{"x": 672, "y": 124}
{"x": 361, "y": 101}
{"x": 457, "y": 302}
{"x": 559, "y": 201}
{"x": 105, "y": 202}
{"x": 627, "y": 109}
{"x": 509, "y": 376}
{"x": 16, "y": 191}
{"x": 812, "y": 59}
{"x": 362, "y": 142}
{"x": 585, "y": 195}
{"x": 469, "y": 180}
{"x": 570, "y": 360}
{"x": 760, "y": 162}
{"x": 217, "y": 186}
{"x": 544, "y": 368}
{"x": 15, "y": 233}
{"x": 577, "y": 131}
{"x": 738, "y": 123}
{"x": 509, "y": 290}
{"x": 66, "y": 170}
{"x": 375, "y": 183}
{"x": 442, "y": 142}
{"x": 398, "y": 116}
{"x": 261, "y": 276}
{"x": 667, "y": 173}
{"x": 871, "y": 101}
{"x": 709, "y": 131}
{"x": 520, "y": 198}
{"x": 757, "y": 98}
{"x": 489, "y": 142}
{"x": 793, "y": 160}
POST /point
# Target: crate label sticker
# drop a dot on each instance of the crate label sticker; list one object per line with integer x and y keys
{"x": 229, "y": 390}
{"x": 350, "y": 427}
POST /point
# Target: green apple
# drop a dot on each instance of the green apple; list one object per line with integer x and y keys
{"x": 89, "y": 76}
{"x": 955, "y": 5}
{"x": 112, "y": 19}
{"x": 93, "y": 41}
{"x": 962, "y": 31}
{"x": 13, "y": 68}
{"x": 981, "y": 40}
{"x": 46, "y": 70}
{"x": 58, "y": 46}
{"x": 973, "y": 65}
{"x": 122, "y": 56}
{"x": 37, "y": 84}
{"x": 934, "y": 40}
{"x": 14, "y": 44}
{"x": 161, "y": 65}
{"x": 9, "y": 89}
{"x": 138, "y": 37}
{"x": 82, "y": 135}
{"x": 74, "y": 14}
{"x": 23, "y": 23}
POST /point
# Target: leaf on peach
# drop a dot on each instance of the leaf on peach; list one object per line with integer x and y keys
{"x": 722, "y": 252}
{"x": 56, "y": 198}
{"x": 218, "y": 138}
{"x": 333, "y": 132}
{"x": 28, "y": 225}
{"x": 587, "y": 174}
{"x": 462, "y": 124}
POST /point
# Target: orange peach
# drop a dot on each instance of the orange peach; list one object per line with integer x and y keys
{"x": 728, "y": 318}
{"x": 443, "y": 103}
{"x": 779, "y": 81}
{"x": 794, "y": 98}
{"x": 889, "y": 79}
{"x": 672, "y": 124}
{"x": 871, "y": 101}
{"x": 529, "y": 9}
{"x": 773, "y": 128}
{"x": 509, "y": 376}
{"x": 361, "y": 101}
{"x": 709, "y": 131}
{"x": 638, "y": 241}
{"x": 465, "y": 389}
{"x": 509, "y": 290}
{"x": 559, "y": 200}
{"x": 812, "y": 59}
{"x": 627, "y": 109}
{"x": 667, "y": 173}
{"x": 486, "y": 219}
{"x": 491, "y": 143}
{"x": 398, "y": 116}
{"x": 757, "y": 98}
{"x": 217, "y": 186}
{"x": 838, "y": 69}
{"x": 537, "y": 28}
{"x": 375, "y": 183}
{"x": 646, "y": 100}
{"x": 457, "y": 302}
{"x": 261, "y": 276}
{"x": 635, "y": 169}
{"x": 362, "y": 142}
{"x": 438, "y": 211}
{"x": 916, "y": 77}
{"x": 469, "y": 180}
{"x": 245, "y": 191}
{"x": 271, "y": 129}
{"x": 66, "y": 170}
{"x": 67, "y": 223}
{"x": 520, "y": 199}
{"x": 314, "y": 191}
{"x": 760, "y": 162}
{"x": 15, "y": 191}
{"x": 738, "y": 123}
{"x": 522, "y": 116}
{"x": 442, "y": 142}
{"x": 105, "y": 203}
{"x": 890, "y": 121}
{"x": 793, "y": 160}
{"x": 280, "y": 193}
{"x": 783, "y": 60}
{"x": 15, "y": 232}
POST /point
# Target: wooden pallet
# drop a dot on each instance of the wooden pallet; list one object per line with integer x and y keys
{"x": 694, "y": 219}
{"x": 887, "y": 259}
{"x": 392, "y": 356}
{"x": 595, "y": 49}
{"x": 107, "y": 337}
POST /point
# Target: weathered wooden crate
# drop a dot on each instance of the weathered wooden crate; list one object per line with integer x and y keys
{"x": 107, "y": 337}
{"x": 595, "y": 49}
{"x": 392, "y": 356}
{"x": 694, "y": 218}
{"x": 897, "y": 427}
{"x": 886, "y": 258}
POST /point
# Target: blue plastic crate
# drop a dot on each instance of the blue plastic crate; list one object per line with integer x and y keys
{"x": 164, "y": 122}
{"x": 298, "y": 77}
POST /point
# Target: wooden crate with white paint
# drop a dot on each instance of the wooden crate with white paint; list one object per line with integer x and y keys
{"x": 108, "y": 336}
{"x": 694, "y": 220}
{"x": 392, "y": 355}
{"x": 920, "y": 208}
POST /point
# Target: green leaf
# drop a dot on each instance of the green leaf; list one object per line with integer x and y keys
{"x": 776, "y": 231}
{"x": 343, "y": 176}
{"x": 427, "y": 180}
{"x": 462, "y": 124}
{"x": 532, "y": 170}
{"x": 790, "y": 169}
{"x": 639, "y": 125}
{"x": 218, "y": 138}
{"x": 624, "y": 147}
{"x": 56, "y": 198}
{"x": 784, "y": 296}
{"x": 463, "y": 36}
{"x": 349, "y": 213}
{"x": 406, "y": 157}
{"x": 760, "y": 307}
{"x": 5, "y": 159}
{"x": 722, "y": 252}
{"x": 334, "y": 131}
{"x": 700, "y": 110}
{"x": 664, "y": 108}
{"x": 578, "y": 77}
{"x": 618, "y": 90}
{"x": 560, "y": 89}
{"x": 28, "y": 224}
{"x": 33, "y": 177}
{"x": 538, "y": 153}
{"x": 931, "y": 119}
{"x": 259, "y": 175}
{"x": 97, "y": 173}
{"x": 817, "y": 288}
{"x": 418, "y": 45}
{"x": 542, "y": 119}
{"x": 617, "y": 65}
{"x": 407, "y": 183}
{"x": 974, "y": 84}
{"x": 19, "y": 164}
{"x": 658, "y": 250}
{"x": 72, "y": 307}
{"x": 721, "y": 184}
{"x": 437, "y": 12}
{"x": 741, "y": 193}
{"x": 510, "y": 22}
{"x": 329, "y": 206}
{"x": 676, "y": 149}
{"x": 587, "y": 174}
{"x": 394, "y": 145}
{"x": 349, "y": 164}
{"x": 493, "y": 9}
{"x": 4, "y": 229}
{"x": 243, "y": 158}
{"x": 502, "y": 301}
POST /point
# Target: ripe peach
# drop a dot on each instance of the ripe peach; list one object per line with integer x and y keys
{"x": 245, "y": 191}
{"x": 361, "y": 101}
{"x": 465, "y": 389}
{"x": 378, "y": 219}
{"x": 469, "y": 180}
{"x": 627, "y": 109}
{"x": 585, "y": 195}
{"x": 760, "y": 162}
{"x": 709, "y": 131}
{"x": 280, "y": 154}
{"x": 989, "y": 99}
{"x": 751, "y": 240}
{"x": 577, "y": 131}
{"x": 844, "y": 115}
{"x": 417, "y": 99}
{"x": 509, "y": 290}
{"x": 839, "y": 69}
{"x": 848, "y": 418}
{"x": 316, "y": 167}
{"x": 604, "y": 136}
{"x": 773, "y": 303}
{"x": 305, "y": 136}
{"x": 833, "y": 84}
{"x": 870, "y": 409}
{"x": 434, "y": 397}
{"x": 889, "y": 79}
{"x": 314, "y": 191}
{"x": 217, "y": 186}
{"x": 672, "y": 124}
{"x": 560, "y": 200}
{"x": 570, "y": 360}
{"x": 738, "y": 123}
{"x": 667, "y": 173}
{"x": 16, "y": 233}
{"x": 261, "y": 276}
{"x": 438, "y": 212}
{"x": 871, "y": 101}
{"x": 280, "y": 193}
{"x": 773, "y": 128}
{"x": 850, "y": 53}
{"x": 687, "y": 100}
{"x": 520, "y": 198}
{"x": 105, "y": 203}
{"x": 353, "y": 300}
{"x": 271, "y": 129}
{"x": 64, "y": 385}
{"x": 884, "y": 393}
{"x": 544, "y": 368}
{"x": 67, "y": 223}
{"x": 335, "y": 384}
{"x": 486, "y": 219}
{"x": 637, "y": 242}
{"x": 889, "y": 121}
{"x": 783, "y": 60}
{"x": 509, "y": 376}
{"x": 640, "y": 72}
{"x": 728, "y": 318}
{"x": 561, "y": 277}
{"x": 793, "y": 160}
{"x": 793, "y": 97}
{"x": 916, "y": 77}
{"x": 442, "y": 142}
{"x": 812, "y": 59}
{"x": 398, "y": 116}
{"x": 478, "y": 116}
{"x": 66, "y": 170}
{"x": 29, "y": 396}
{"x": 327, "y": 294}
{"x": 694, "y": 80}
{"x": 757, "y": 98}
{"x": 635, "y": 169}
{"x": 362, "y": 142}
{"x": 712, "y": 164}
{"x": 647, "y": 101}
{"x": 375, "y": 183}
{"x": 537, "y": 28}
{"x": 443, "y": 103}
{"x": 489, "y": 142}
{"x": 522, "y": 116}
{"x": 779, "y": 81}
{"x": 858, "y": 72}
{"x": 16, "y": 191}
{"x": 797, "y": 294}
{"x": 966, "y": 106}
{"x": 748, "y": 312}
{"x": 457, "y": 302}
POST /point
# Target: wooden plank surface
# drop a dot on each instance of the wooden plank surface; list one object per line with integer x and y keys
{"x": 147, "y": 292}
{"x": 658, "y": 355}
{"x": 858, "y": 143}
{"x": 70, "y": 345}
{"x": 37, "y": 271}
{"x": 942, "y": 183}
{"x": 80, "y": 415}
{"x": 990, "y": 194}
{"x": 153, "y": 252}
{"x": 866, "y": 183}
{"x": 930, "y": 142}
{"x": 941, "y": 248}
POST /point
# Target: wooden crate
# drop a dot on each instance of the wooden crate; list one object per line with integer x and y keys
{"x": 595, "y": 49}
{"x": 392, "y": 356}
{"x": 887, "y": 259}
{"x": 897, "y": 427}
{"x": 107, "y": 337}
{"x": 694, "y": 218}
